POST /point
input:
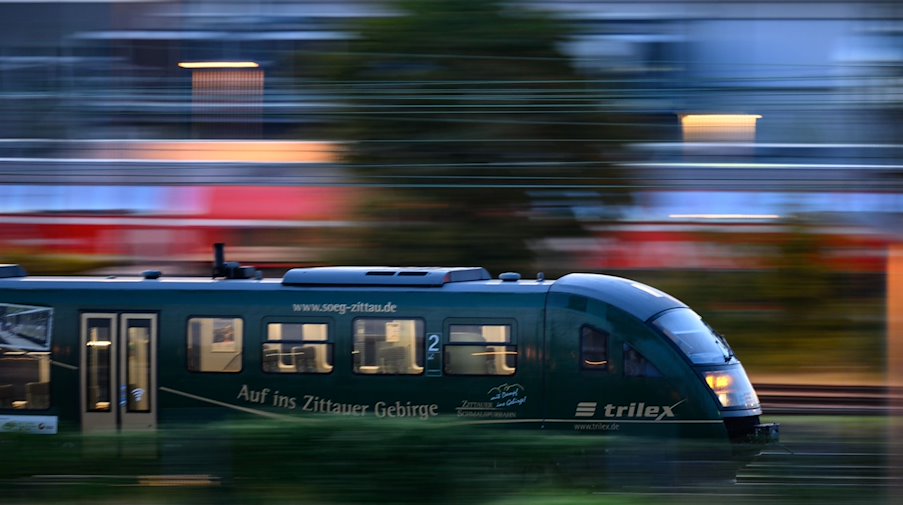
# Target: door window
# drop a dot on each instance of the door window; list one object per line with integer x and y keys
{"x": 138, "y": 364}
{"x": 98, "y": 349}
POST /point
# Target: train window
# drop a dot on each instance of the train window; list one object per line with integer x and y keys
{"x": 24, "y": 380}
{"x": 388, "y": 346}
{"x": 636, "y": 365}
{"x": 297, "y": 348}
{"x": 215, "y": 344}
{"x": 593, "y": 348}
{"x": 695, "y": 338}
{"x": 25, "y": 356}
{"x": 480, "y": 349}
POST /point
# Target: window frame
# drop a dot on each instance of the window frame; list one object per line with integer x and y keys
{"x": 420, "y": 341}
{"x": 626, "y": 347}
{"x": 710, "y": 340}
{"x": 239, "y": 348}
{"x": 600, "y": 368}
{"x": 329, "y": 343}
{"x": 510, "y": 345}
{"x": 39, "y": 350}
{"x": 20, "y": 405}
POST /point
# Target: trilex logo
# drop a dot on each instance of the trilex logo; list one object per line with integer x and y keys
{"x": 633, "y": 411}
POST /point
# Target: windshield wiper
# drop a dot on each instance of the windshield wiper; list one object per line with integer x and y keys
{"x": 730, "y": 352}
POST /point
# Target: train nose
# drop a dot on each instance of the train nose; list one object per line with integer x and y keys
{"x": 749, "y": 429}
{"x": 739, "y": 405}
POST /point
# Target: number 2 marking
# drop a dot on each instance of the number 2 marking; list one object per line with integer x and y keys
{"x": 434, "y": 343}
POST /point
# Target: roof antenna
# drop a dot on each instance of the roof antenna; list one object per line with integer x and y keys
{"x": 231, "y": 269}
{"x": 219, "y": 260}
{"x": 540, "y": 277}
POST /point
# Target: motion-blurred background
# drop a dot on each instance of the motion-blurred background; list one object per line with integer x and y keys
{"x": 744, "y": 156}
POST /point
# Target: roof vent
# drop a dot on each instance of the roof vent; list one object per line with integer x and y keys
{"x": 10, "y": 271}
{"x": 510, "y": 277}
{"x": 151, "y": 274}
{"x": 382, "y": 276}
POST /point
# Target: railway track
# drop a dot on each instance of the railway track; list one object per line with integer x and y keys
{"x": 784, "y": 476}
{"x": 784, "y": 399}
{"x": 816, "y": 468}
{"x": 832, "y": 460}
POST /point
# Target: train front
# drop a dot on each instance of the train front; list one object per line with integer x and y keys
{"x": 715, "y": 363}
{"x": 669, "y": 354}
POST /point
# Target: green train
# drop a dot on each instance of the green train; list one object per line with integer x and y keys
{"x": 585, "y": 353}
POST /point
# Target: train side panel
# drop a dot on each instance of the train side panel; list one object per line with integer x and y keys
{"x": 355, "y": 381}
{"x": 142, "y": 355}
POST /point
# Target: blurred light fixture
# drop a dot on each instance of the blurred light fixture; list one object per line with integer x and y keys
{"x": 218, "y": 64}
{"x": 719, "y": 119}
{"x": 227, "y": 98}
{"x": 724, "y": 216}
{"x": 719, "y": 127}
{"x": 224, "y": 151}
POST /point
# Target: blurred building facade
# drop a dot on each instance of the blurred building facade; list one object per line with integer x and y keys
{"x": 94, "y": 97}
{"x": 816, "y": 71}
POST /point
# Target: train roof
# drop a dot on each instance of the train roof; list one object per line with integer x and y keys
{"x": 7, "y": 271}
{"x": 461, "y": 279}
{"x": 638, "y": 299}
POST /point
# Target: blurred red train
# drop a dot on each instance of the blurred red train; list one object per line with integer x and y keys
{"x": 292, "y": 219}
{"x": 177, "y": 223}
{"x": 276, "y": 227}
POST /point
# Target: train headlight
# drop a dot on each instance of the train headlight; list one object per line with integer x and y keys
{"x": 732, "y": 387}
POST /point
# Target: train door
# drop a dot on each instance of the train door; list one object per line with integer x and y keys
{"x": 118, "y": 371}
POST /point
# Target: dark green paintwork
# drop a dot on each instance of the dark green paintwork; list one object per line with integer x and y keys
{"x": 546, "y": 318}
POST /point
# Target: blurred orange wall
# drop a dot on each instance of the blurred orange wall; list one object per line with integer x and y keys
{"x": 895, "y": 314}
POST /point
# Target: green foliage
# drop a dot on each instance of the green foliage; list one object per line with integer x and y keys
{"x": 354, "y": 461}
{"x": 453, "y": 111}
{"x": 322, "y": 460}
{"x": 794, "y": 315}
{"x": 36, "y": 263}
{"x": 389, "y": 462}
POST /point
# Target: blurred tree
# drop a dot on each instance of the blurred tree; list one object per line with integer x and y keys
{"x": 460, "y": 117}
{"x": 800, "y": 281}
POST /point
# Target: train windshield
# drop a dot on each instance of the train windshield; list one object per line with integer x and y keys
{"x": 695, "y": 338}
